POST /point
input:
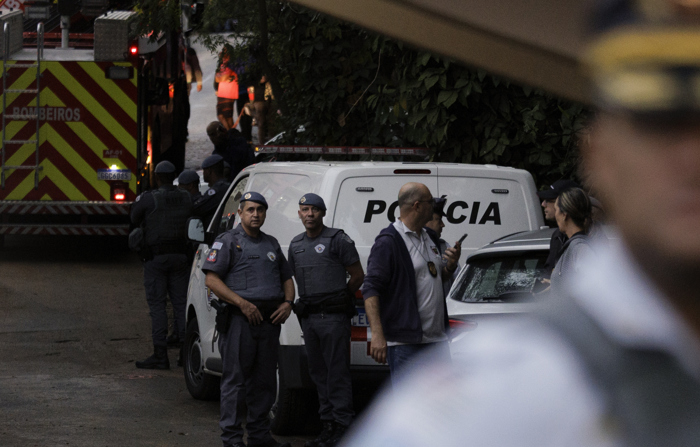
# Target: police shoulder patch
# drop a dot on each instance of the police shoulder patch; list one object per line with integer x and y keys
{"x": 212, "y": 256}
{"x": 217, "y": 245}
{"x": 138, "y": 198}
{"x": 271, "y": 256}
{"x": 347, "y": 239}
{"x": 211, "y": 192}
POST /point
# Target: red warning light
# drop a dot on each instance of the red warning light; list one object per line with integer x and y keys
{"x": 134, "y": 50}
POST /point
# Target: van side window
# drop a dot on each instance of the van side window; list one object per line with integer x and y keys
{"x": 229, "y": 213}
{"x": 282, "y": 192}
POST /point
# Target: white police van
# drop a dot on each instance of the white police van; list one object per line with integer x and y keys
{"x": 484, "y": 201}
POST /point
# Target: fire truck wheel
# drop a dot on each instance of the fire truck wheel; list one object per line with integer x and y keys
{"x": 201, "y": 385}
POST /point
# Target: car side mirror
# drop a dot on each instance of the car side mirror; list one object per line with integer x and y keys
{"x": 195, "y": 229}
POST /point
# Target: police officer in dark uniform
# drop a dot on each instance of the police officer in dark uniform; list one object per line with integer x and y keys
{"x": 189, "y": 181}
{"x": 164, "y": 213}
{"x": 205, "y": 206}
{"x": 321, "y": 257}
{"x": 247, "y": 270}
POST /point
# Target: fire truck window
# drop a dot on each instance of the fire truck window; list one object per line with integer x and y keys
{"x": 228, "y": 216}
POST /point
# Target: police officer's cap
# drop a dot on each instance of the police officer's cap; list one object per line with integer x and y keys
{"x": 557, "y": 188}
{"x": 439, "y": 205}
{"x": 211, "y": 161}
{"x": 312, "y": 199}
{"x": 251, "y": 196}
{"x": 165, "y": 167}
{"x": 643, "y": 56}
{"x": 188, "y": 176}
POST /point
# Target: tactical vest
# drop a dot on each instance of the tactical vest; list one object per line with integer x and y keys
{"x": 318, "y": 272}
{"x": 648, "y": 395}
{"x": 256, "y": 274}
{"x": 166, "y": 224}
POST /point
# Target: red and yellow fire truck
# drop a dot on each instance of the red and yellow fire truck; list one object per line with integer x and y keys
{"x": 74, "y": 164}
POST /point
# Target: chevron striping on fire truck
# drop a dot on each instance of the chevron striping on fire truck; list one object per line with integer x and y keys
{"x": 83, "y": 128}
{"x": 96, "y": 115}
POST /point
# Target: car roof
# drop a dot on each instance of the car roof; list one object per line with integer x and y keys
{"x": 535, "y": 240}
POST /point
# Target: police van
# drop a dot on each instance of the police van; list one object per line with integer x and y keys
{"x": 485, "y": 202}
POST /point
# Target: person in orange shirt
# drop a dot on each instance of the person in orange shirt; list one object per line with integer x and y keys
{"x": 226, "y": 87}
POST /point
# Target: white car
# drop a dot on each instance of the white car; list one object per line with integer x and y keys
{"x": 499, "y": 280}
{"x": 486, "y": 202}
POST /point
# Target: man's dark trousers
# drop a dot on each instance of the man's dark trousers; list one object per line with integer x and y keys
{"x": 327, "y": 342}
{"x": 163, "y": 276}
{"x": 249, "y": 379}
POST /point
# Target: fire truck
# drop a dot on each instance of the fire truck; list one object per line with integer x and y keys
{"x": 82, "y": 127}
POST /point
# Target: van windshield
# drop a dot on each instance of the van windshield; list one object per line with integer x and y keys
{"x": 501, "y": 278}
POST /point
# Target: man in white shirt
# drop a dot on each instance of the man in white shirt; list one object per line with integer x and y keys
{"x": 403, "y": 289}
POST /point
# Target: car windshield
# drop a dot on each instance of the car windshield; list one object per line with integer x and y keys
{"x": 506, "y": 278}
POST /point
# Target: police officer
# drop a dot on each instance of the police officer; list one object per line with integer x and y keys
{"x": 246, "y": 269}
{"x": 320, "y": 258}
{"x": 189, "y": 181}
{"x": 164, "y": 213}
{"x": 434, "y": 229}
{"x": 205, "y": 206}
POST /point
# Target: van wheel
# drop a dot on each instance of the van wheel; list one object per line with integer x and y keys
{"x": 295, "y": 412}
{"x": 201, "y": 385}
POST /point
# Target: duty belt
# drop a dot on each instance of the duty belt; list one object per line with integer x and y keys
{"x": 168, "y": 249}
{"x": 266, "y": 308}
{"x": 329, "y": 306}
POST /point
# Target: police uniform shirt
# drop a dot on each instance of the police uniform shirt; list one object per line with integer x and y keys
{"x": 206, "y": 205}
{"x": 227, "y": 253}
{"x": 342, "y": 248}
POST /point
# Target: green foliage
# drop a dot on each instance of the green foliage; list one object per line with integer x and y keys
{"x": 348, "y": 86}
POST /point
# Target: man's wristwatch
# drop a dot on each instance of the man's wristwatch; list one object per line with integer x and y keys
{"x": 291, "y": 303}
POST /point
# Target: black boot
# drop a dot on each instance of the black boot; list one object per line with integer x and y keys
{"x": 337, "y": 436}
{"x": 159, "y": 359}
{"x": 173, "y": 341}
{"x": 325, "y": 435}
{"x": 180, "y": 354}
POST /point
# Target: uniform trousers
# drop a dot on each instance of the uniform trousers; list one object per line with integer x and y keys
{"x": 163, "y": 276}
{"x": 248, "y": 379}
{"x": 327, "y": 342}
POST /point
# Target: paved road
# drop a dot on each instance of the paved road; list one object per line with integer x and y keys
{"x": 73, "y": 319}
{"x": 203, "y": 111}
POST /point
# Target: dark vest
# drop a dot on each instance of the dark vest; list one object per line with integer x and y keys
{"x": 650, "y": 397}
{"x": 318, "y": 272}
{"x": 256, "y": 274}
{"x": 166, "y": 224}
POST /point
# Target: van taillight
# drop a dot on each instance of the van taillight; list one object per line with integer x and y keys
{"x": 462, "y": 325}
{"x": 411, "y": 171}
{"x": 119, "y": 195}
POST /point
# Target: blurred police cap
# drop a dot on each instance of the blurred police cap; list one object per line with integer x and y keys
{"x": 211, "y": 161}
{"x": 644, "y": 55}
{"x": 188, "y": 176}
{"x": 165, "y": 167}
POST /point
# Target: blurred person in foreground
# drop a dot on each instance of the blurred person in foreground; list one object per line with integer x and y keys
{"x": 617, "y": 360}
{"x": 573, "y": 215}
